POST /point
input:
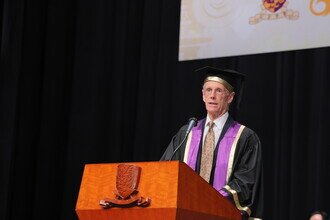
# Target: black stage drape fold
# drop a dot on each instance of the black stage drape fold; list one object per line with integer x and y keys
{"x": 99, "y": 81}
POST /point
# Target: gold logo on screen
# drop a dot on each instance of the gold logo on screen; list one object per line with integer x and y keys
{"x": 273, "y": 10}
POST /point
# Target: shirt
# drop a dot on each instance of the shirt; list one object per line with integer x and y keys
{"x": 217, "y": 128}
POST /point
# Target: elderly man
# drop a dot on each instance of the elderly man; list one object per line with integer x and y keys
{"x": 224, "y": 152}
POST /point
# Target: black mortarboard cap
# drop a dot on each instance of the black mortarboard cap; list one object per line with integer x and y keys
{"x": 225, "y": 76}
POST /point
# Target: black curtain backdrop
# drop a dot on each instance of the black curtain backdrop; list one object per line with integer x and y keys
{"x": 99, "y": 82}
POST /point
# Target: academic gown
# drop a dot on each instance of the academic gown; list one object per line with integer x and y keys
{"x": 244, "y": 185}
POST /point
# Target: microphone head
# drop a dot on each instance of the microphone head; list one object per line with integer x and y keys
{"x": 193, "y": 119}
{"x": 191, "y": 123}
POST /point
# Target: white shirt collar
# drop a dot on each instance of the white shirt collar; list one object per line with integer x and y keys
{"x": 219, "y": 122}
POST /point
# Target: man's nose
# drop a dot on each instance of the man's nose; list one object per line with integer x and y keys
{"x": 213, "y": 93}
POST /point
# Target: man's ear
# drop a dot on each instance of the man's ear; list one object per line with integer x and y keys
{"x": 231, "y": 97}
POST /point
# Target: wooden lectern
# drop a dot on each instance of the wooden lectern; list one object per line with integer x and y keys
{"x": 176, "y": 191}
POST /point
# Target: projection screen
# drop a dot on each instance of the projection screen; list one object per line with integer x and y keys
{"x": 221, "y": 28}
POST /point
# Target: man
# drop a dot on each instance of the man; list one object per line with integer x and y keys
{"x": 225, "y": 153}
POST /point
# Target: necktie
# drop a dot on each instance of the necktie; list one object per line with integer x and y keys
{"x": 207, "y": 154}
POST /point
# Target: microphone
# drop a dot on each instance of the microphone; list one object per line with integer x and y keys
{"x": 191, "y": 123}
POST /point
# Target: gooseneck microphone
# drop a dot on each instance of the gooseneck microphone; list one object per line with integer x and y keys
{"x": 191, "y": 123}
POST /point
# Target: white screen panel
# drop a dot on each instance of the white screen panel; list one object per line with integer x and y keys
{"x": 221, "y": 28}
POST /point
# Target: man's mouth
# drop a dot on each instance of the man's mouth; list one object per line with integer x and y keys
{"x": 213, "y": 103}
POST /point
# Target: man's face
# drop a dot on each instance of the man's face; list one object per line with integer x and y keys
{"x": 217, "y": 98}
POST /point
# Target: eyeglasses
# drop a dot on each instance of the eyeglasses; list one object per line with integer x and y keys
{"x": 218, "y": 91}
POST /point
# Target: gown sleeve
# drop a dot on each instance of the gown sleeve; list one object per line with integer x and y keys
{"x": 245, "y": 185}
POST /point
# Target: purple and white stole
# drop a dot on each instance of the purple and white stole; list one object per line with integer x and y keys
{"x": 225, "y": 156}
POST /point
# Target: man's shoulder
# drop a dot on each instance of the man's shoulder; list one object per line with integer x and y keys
{"x": 248, "y": 132}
